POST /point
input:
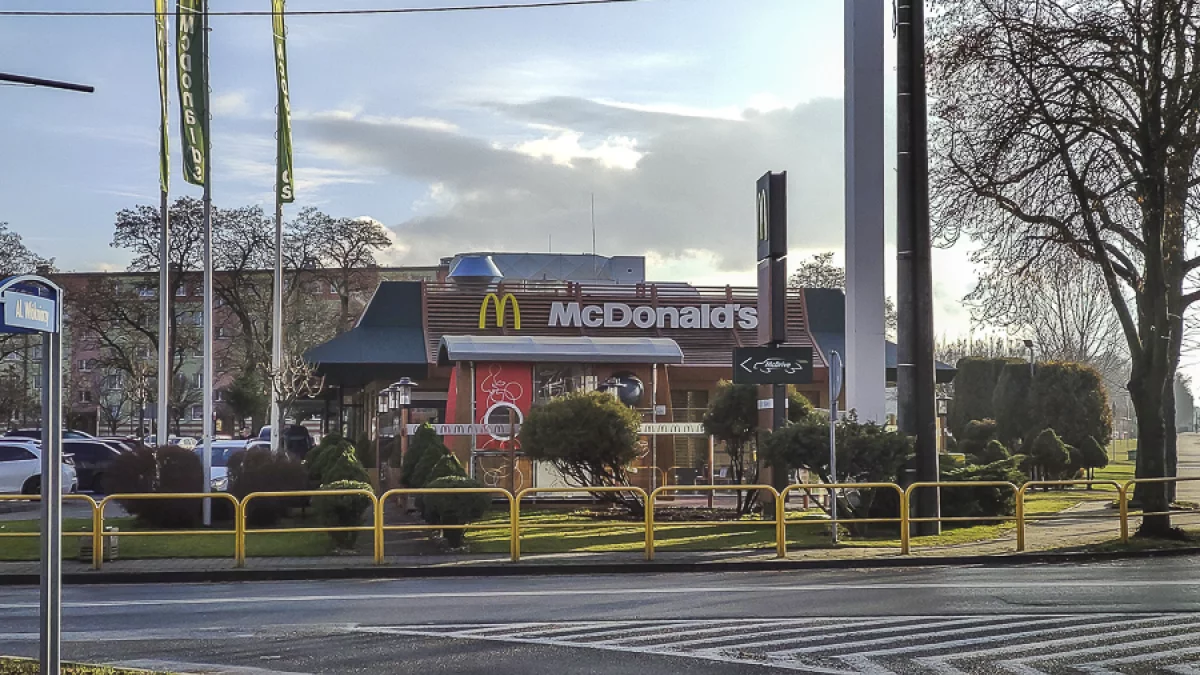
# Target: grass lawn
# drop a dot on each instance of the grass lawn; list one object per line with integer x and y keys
{"x": 198, "y": 546}
{"x": 13, "y": 666}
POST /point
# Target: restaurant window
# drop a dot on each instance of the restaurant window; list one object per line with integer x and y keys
{"x": 553, "y": 380}
{"x": 690, "y": 406}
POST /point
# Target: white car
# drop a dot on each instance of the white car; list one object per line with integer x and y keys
{"x": 21, "y": 469}
{"x": 221, "y": 452}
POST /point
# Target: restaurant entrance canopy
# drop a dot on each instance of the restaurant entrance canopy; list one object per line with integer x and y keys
{"x": 558, "y": 349}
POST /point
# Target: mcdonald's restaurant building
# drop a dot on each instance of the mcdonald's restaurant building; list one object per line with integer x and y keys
{"x": 485, "y": 351}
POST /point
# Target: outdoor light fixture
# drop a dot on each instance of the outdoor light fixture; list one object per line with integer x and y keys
{"x": 943, "y": 406}
{"x": 383, "y": 401}
{"x": 403, "y": 391}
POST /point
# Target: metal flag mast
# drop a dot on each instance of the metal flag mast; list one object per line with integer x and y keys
{"x": 165, "y": 354}
{"x": 207, "y": 361}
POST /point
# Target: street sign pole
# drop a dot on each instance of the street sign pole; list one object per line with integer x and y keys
{"x": 835, "y": 390}
{"x": 33, "y": 304}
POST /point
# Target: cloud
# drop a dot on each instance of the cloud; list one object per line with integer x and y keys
{"x": 232, "y": 104}
{"x": 667, "y": 184}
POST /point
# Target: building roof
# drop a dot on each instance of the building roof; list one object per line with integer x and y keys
{"x": 557, "y": 349}
{"x": 389, "y": 340}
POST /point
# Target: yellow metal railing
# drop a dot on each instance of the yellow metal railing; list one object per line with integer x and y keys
{"x": 649, "y": 524}
{"x": 1128, "y": 494}
{"x": 780, "y": 545}
{"x": 1122, "y": 505}
{"x": 901, "y": 520}
{"x": 38, "y": 498}
{"x": 380, "y": 528}
{"x": 517, "y": 526}
{"x": 98, "y": 523}
{"x": 243, "y": 530}
{"x": 1017, "y": 517}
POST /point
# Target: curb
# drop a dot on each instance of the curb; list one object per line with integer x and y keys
{"x": 573, "y": 569}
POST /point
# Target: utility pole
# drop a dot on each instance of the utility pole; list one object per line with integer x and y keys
{"x": 915, "y": 365}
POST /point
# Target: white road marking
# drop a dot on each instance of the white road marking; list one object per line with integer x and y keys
{"x": 610, "y": 592}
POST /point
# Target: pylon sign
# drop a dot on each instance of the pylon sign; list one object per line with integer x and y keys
{"x": 33, "y": 304}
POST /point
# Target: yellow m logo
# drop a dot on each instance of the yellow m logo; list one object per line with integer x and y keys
{"x": 501, "y": 310}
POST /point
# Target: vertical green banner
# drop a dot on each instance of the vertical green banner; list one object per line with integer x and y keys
{"x": 283, "y": 133}
{"x": 193, "y": 89}
{"x": 160, "y": 26}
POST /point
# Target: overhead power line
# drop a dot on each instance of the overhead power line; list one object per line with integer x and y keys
{"x": 326, "y": 12}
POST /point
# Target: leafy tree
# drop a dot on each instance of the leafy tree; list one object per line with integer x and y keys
{"x": 1095, "y": 456}
{"x": 1068, "y": 133}
{"x": 454, "y": 509}
{"x": 1070, "y": 398}
{"x": 983, "y": 501}
{"x": 993, "y": 452}
{"x": 246, "y": 398}
{"x": 974, "y": 386}
{"x": 423, "y": 441}
{"x": 343, "y": 510}
{"x": 974, "y": 439}
{"x": 1011, "y": 403}
{"x": 1049, "y": 455}
{"x": 866, "y": 453}
{"x": 589, "y": 437}
{"x": 732, "y": 418}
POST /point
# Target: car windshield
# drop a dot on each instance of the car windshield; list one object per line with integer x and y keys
{"x": 221, "y": 453}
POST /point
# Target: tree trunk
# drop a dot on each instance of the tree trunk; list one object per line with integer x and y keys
{"x": 1146, "y": 390}
{"x": 1169, "y": 426}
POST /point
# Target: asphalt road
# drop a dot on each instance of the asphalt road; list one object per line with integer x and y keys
{"x": 1128, "y": 617}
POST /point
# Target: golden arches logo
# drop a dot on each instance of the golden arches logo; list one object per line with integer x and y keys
{"x": 501, "y": 310}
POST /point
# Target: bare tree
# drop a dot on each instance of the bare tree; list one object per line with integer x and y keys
{"x": 1065, "y": 131}
{"x": 341, "y": 253}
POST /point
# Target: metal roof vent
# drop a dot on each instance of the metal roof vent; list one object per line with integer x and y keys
{"x": 473, "y": 271}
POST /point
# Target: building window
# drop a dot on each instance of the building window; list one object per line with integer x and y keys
{"x": 333, "y": 288}
{"x": 218, "y": 396}
{"x": 198, "y": 380}
{"x": 197, "y": 413}
{"x": 550, "y": 381}
{"x": 690, "y": 406}
{"x": 143, "y": 352}
{"x": 86, "y": 365}
{"x": 147, "y": 292}
{"x": 222, "y": 332}
{"x": 85, "y": 396}
{"x": 181, "y": 292}
{"x": 198, "y": 318}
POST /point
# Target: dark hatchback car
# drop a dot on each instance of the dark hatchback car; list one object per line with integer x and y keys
{"x": 93, "y": 460}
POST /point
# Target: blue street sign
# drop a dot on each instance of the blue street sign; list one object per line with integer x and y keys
{"x": 29, "y": 312}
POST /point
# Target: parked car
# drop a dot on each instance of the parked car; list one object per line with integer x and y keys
{"x": 36, "y": 434}
{"x": 93, "y": 459}
{"x": 184, "y": 442}
{"x": 21, "y": 468}
{"x": 120, "y": 444}
{"x": 296, "y": 439}
{"x": 222, "y": 451}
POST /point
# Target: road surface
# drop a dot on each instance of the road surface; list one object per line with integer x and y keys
{"x": 1127, "y": 617}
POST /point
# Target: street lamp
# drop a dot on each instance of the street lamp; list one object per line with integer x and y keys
{"x": 397, "y": 396}
{"x": 1029, "y": 346}
{"x": 943, "y": 411}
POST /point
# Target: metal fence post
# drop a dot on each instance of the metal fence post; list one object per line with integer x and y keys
{"x": 649, "y": 553}
{"x": 1122, "y": 494}
{"x": 1020, "y": 506}
{"x": 780, "y": 526}
{"x": 905, "y": 526}
{"x": 98, "y": 535}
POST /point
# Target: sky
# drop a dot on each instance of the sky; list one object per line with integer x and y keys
{"x": 489, "y": 130}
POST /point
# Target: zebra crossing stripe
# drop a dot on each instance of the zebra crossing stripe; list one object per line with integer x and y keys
{"x": 941, "y": 664}
{"x": 751, "y": 627}
{"x": 967, "y": 642}
{"x": 918, "y": 632}
{"x": 895, "y": 626}
{"x": 1020, "y": 665}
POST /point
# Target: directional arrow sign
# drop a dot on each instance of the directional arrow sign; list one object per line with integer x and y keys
{"x": 773, "y": 365}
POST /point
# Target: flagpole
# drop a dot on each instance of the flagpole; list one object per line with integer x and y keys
{"x": 277, "y": 326}
{"x": 207, "y": 362}
{"x": 164, "y": 324}
{"x": 165, "y": 353}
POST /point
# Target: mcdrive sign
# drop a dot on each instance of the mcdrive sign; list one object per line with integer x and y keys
{"x": 621, "y": 315}
{"x": 773, "y": 365}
